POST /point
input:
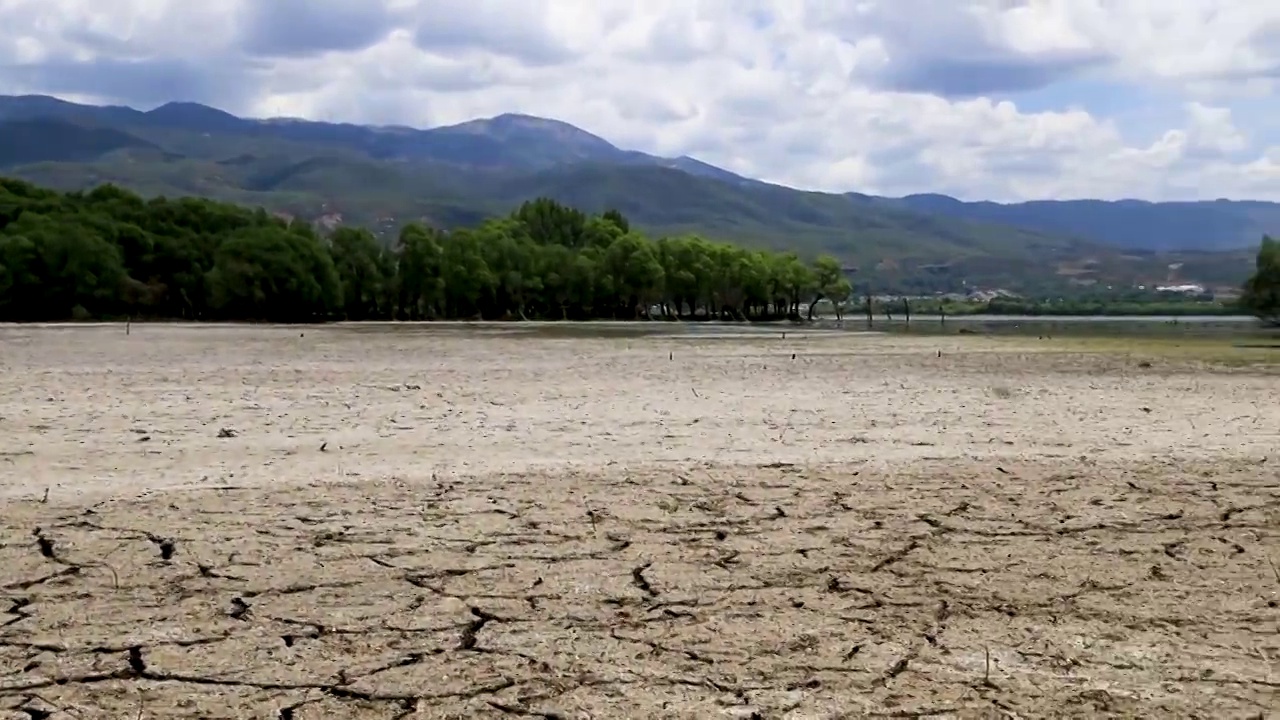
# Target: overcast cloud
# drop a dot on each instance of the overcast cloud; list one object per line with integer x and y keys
{"x": 996, "y": 99}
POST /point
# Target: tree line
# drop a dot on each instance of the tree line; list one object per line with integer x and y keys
{"x": 109, "y": 253}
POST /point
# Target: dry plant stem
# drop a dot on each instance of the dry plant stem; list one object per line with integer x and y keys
{"x": 986, "y": 667}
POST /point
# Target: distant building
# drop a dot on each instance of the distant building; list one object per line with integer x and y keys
{"x": 989, "y": 295}
{"x": 1184, "y": 289}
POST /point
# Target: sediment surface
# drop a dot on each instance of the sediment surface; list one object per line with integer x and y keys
{"x": 405, "y": 522}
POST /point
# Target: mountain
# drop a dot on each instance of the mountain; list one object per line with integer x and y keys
{"x": 507, "y": 141}
{"x": 385, "y": 176}
{"x": 1206, "y": 225}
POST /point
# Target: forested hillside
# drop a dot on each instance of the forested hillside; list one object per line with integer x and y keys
{"x": 109, "y": 253}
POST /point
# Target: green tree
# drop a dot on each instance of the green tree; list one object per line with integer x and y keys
{"x": 1262, "y": 291}
{"x": 420, "y": 271}
{"x": 79, "y": 273}
{"x": 634, "y": 274}
{"x": 275, "y": 274}
{"x": 828, "y": 282}
{"x": 21, "y": 286}
{"x": 510, "y": 254}
{"x": 547, "y": 222}
{"x": 468, "y": 281}
{"x": 357, "y": 258}
{"x": 796, "y": 279}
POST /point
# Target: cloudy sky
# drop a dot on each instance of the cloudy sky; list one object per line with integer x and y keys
{"x": 995, "y": 99}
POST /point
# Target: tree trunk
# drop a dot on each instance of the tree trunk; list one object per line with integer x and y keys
{"x": 813, "y": 306}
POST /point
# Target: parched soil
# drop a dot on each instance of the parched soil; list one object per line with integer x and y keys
{"x": 405, "y": 522}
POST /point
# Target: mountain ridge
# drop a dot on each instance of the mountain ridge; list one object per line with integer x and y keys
{"x": 458, "y": 174}
{"x": 1219, "y": 224}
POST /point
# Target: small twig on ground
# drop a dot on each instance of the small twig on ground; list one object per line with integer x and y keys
{"x": 115, "y": 576}
{"x": 45, "y": 500}
{"x": 986, "y": 671}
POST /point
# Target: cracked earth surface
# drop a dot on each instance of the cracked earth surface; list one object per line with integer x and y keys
{"x": 451, "y": 522}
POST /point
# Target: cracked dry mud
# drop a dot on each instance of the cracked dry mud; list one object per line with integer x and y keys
{"x": 453, "y": 522}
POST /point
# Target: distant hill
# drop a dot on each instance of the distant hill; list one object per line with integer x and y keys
{"x": 1208, "y": 225}
{"x": 25, "y": 141}
{"x": 383, "y": 177}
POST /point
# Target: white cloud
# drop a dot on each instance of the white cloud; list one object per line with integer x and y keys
{"x": 879, "y": 96}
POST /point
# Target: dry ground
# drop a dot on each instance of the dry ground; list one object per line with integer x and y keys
{"x": 450, "y": 522}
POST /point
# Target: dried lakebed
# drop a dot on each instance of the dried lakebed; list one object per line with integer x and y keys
{"x": 447, "y": 523}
